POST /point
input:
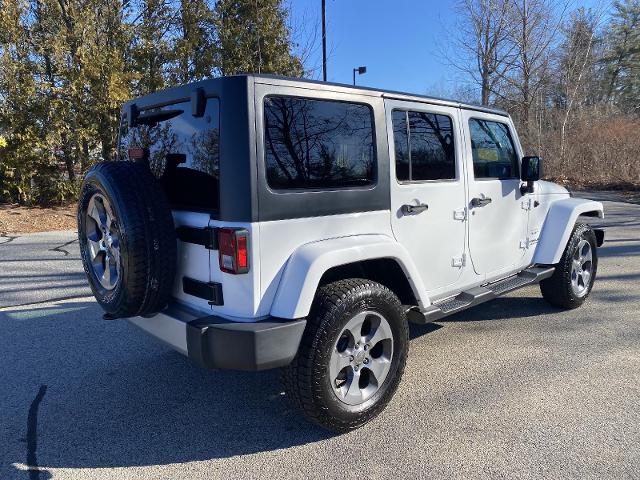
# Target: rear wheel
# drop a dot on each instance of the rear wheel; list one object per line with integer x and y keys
{"x": 352, "y": 355}
{"x": 573, "y": 278}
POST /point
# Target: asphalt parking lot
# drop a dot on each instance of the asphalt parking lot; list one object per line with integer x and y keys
{"x": 510, "y": 389}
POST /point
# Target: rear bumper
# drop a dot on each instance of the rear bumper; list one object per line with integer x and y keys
{"x": 214, "y": 342}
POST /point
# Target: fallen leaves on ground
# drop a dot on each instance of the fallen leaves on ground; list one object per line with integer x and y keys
{"x": 19, "y": 219}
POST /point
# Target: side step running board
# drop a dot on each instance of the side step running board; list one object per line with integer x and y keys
{"x": 478, "y": 295}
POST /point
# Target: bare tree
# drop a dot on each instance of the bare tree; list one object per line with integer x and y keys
{"x": 535, "y": 27}
{"x": 481, "y": 46}
{"x": 577, "y": 82}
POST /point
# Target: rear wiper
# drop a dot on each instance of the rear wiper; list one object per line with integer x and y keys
{"x": 155, "y": 117}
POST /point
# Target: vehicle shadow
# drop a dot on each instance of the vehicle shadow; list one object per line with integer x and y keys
{"x": 117, "y": 398}
{"x": 503, "y": 308}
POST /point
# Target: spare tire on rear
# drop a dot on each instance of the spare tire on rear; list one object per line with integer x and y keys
{"x": 127, "y": 239}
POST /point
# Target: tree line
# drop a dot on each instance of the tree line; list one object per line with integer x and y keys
{"x": 569, "y": 77}
{"x": 66, "y": 67}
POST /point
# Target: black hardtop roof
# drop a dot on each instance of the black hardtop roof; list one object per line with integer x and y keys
{"x": 321, "y": 85}
{"x": 181, "y": 93}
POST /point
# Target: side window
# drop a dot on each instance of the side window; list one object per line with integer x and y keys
{"x": 401, "y": 142}
{"x": 183, "y": 152}
{"x": 494, "y": 154}
{"x": 424, "y": 146}
{"x": 318, "y": 144}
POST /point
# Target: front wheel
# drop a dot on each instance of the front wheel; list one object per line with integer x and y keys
{"x": 352, "y": 355}
{"x": 573, "y": 278}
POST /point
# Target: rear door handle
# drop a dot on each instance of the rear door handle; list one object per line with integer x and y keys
{"x": 480, "y": 202}
{"x": 414, "y": 209}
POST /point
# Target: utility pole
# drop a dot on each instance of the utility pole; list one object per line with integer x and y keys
{"x": 324, "y": 42}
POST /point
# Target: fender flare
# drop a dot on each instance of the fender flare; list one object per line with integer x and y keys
{"x": 557, "y": 227}
{"x": 307, "y": 264}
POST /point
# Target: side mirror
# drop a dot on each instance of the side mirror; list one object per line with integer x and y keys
{"x": 530, "y": 172}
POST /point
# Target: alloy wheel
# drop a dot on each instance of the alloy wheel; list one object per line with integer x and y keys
{"x": 581, "y": 268}
{"x": 103, "y": 241}
{"x": 361, "y": 357}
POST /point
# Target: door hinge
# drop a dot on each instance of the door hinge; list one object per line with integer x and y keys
{"x": 526, "y": 204}
{"x": 460, "y": 214}
{"x": 207, "y": 236}
{"x": 211, "y": 291}
{"x": 528, "y": 242}
{"x": 459, "y": 261}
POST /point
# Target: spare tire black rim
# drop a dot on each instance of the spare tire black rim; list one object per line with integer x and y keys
{"x": 103, "y": 241}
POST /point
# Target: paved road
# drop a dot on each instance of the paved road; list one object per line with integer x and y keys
{"x": 40, "y": 267}
{"x": 510, "y": 389}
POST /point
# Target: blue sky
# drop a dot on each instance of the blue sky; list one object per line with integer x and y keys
{"x": 398, "y": 41}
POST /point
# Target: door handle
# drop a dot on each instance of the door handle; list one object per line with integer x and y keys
{"x": 480, "y": 202}
{"x": 414, "y": 209}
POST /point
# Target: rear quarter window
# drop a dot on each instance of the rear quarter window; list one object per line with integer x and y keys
{"x": 183, "y": 152}
{"x": 318, "y": 144}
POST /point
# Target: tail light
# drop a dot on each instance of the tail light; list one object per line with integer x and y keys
{"x": 233, "y": 250}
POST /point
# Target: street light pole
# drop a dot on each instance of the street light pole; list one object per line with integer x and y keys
{"x": 359, "y": 71}
{"x": 324, "y": 42}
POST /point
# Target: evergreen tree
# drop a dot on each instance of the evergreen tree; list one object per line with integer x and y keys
{"x": 253, "y": 37}
{"x": 152, "y": 27}
{"x": 193, "y": 54}
{"x": 622, "y": 59}
{"x": 66, "y": 67}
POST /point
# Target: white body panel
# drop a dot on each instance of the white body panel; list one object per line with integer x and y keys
{"x": 309, "y": 262}
{"x": 279, "y": 240}
{"x": 558, "y": 226}
{"x": 289, "y": 257}
{"x": 434, "y": 238}
{"x": 496, "y": 230}
{"x": 538, "y": 204}
{"x": 193, "y": 260}
{"x": 241, "y": 292}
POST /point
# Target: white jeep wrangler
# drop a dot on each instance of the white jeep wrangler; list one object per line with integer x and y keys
{"x": 254, "y": 222}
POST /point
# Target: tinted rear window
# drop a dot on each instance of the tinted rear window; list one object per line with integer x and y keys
{"x": 183, "y": 153}
{"x": 423, "y": 146}
{"x": 318, "y": 144}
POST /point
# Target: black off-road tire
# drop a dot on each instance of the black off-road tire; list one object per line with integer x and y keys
{"x": 147, "y": 238}
{"x": 557, "y": 289}
{"x": 307, "y": 381}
